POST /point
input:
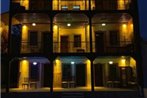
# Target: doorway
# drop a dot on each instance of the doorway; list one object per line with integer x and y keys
{"x": 98, "y": 69}
{"x": 64, "y": 44}
{"x": 99, "y": 41}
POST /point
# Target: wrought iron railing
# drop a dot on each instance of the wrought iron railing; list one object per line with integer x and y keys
{"x": 82, "y": 47}
{"x": 111, "y": 4}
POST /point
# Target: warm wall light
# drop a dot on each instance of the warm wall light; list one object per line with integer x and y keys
{"x": 33, "y": 24}
{"x": 124, "y": 25}
{"x": 68, "y": 24}
{"x": 123, "y": 62}
{"x": 1, "y": 29}
{"x": 24, "y": 26}
{"x": 55, "y": 26}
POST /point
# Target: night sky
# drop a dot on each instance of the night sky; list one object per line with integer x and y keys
{"x": 142, "y": 12}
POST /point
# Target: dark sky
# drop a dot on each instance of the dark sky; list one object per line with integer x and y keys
{"x": 142, "y": 12}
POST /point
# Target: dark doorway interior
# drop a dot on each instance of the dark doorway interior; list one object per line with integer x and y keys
{"x": 98, "y": 69}
{"x": 80, "y": 75}
{"x": 99, "y": 41}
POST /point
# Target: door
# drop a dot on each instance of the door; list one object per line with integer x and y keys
{"x": 98, "y": 69}
{"x": 80, "y": 75}
{"x": 66, "y": 73}
{"x": 99, "y": 41}
{"x": 64, "y": 44}
{"x": 34, "y": 72}
{"x": 47, "y": 73}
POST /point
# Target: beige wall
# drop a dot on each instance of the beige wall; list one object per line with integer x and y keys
{"x": 88, "y": 73}
{"x": 40, "y": 28}
{"x": 57, "y": 4}
{"x": 24, "y": 72}
{"x": 125, "y": 32}
{"x": 57, "y": 82}
{"x": 83, "y": 31}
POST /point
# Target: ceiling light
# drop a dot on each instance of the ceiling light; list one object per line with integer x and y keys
{"x": 110, "y": 62}
{"x": 103, "y": 24}
{"x": 68, "y": 24}
{"x": 33, "y": 24}
{"x": 72, "y": 62}
{"x": 34, "y": 63}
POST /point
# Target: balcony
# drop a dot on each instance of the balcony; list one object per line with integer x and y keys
{"x": 123, "y": 47}
{"x": 71, "y": 47}
{"x": 74, "y": 5}
{"x": 21, "y": 5}
{"x": 111, "y": 4}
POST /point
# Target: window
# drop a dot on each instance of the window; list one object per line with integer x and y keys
{"x": 33, "y": 39}
{"x": 77, "y": 40}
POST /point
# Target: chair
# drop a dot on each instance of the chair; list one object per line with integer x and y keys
{"x": 26, "y": 83}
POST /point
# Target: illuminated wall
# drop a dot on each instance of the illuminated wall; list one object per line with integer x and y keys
{"x": 83, "y": 31}
{"x": 82, "y": 3}
{"x": 88, "y": 73}
{"x": 123, "y": 4}
{"x": 24, "y": 71}
{"x": 57, "y": 74}
{"x": 122, "y": 61}
{"x": 24, "y": 3}
{"x": 40, "y": 28}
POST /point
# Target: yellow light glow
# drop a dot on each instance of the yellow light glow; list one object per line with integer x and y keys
{"x": 1, "y": 30}
{"x": 88, "y": 81}
{"x": 25, "y": 3}
{"x": 24, "y": 71}
{"x": 24, "y": 33}
{"x": 124, "y": 25}
{"x": 57, "y": 74}
{"x": 55, "y": 26}
{"x": 122, "y": 62}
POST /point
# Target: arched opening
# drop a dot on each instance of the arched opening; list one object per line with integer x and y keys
{"x": 115, "y": 72}
{"x": 70, "y": 33}
{"x": 28, "y": 74}
{"x": 112, "y": 33}
{"x": 30, "y": 33}
{"x": 72, "y": 73}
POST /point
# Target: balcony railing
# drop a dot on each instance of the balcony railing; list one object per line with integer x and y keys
{"x": 83, "y": 47}
{"x": 20, "y": 5}
{"x": 70, "y": 5}
{"x": 74, "y": 5}
{"x": 119, "y": 48}
{"x": 111, "y": 4}
{"x": 71, "y": 47}
{"x": 27, "y": 48}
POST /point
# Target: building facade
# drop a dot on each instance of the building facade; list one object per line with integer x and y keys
{"x": 71, "y": 45}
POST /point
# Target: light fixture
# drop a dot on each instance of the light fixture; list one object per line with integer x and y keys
{"x": 110, "y": 62}
{"x": 34, "y": 63}
{"x": 33, "y": 24}
{"x": 68, "y": 24}
{"x": 72, "y": 62}
{"x": 103, "y": 24}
